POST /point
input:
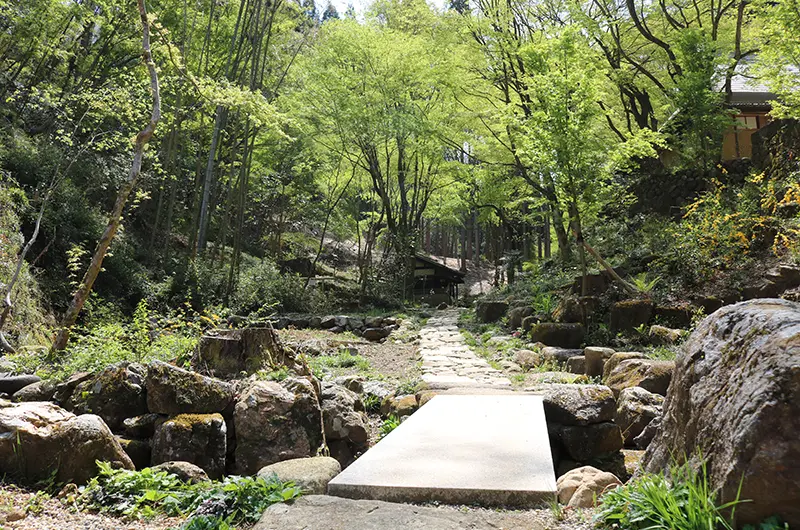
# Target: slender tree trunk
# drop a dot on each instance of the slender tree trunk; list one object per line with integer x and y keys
{"x": 85, "y": 287}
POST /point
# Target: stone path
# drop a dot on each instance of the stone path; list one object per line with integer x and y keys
{"x": 448, "y": 362}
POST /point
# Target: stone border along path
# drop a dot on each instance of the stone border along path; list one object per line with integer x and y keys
{"x": 447, "y": 361}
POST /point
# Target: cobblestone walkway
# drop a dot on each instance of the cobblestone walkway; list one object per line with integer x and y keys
{"x": 448, "y": 362}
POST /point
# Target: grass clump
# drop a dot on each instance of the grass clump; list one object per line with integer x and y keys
{"x": 682, "y": 501}
{"x": 389, "y": 424}
{"x": 146, "y": 493}
{"x": 343, "y": 359}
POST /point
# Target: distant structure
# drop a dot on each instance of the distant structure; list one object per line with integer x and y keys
{"x": 435, "y": 283}
{"x": 752, "y": 100}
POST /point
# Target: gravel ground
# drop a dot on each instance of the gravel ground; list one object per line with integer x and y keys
{"x": 22, "y": 509}
{"x": 395, "y": 361}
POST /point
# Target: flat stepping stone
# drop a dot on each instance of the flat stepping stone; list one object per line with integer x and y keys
{"x": 320, "y": 512}
{"x": 491, "y": 450}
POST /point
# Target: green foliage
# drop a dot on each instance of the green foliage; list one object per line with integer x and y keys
{"x": 770, "y": 523}
{"x": 145, "y": 493}
{"x": 343, "y": 359}
{"x": 644, "y": 283}
{"x": 389, "y": 424}
{"x": 684, "y": 501}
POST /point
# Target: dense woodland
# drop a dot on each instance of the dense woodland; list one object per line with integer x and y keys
{"x": 182, "y": 171}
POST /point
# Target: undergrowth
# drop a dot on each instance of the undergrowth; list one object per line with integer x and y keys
{"x": 682, "y": 501}
{"x": 212, "y": 504}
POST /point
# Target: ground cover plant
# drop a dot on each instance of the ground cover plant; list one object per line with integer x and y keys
{"x": 145, "y": 493}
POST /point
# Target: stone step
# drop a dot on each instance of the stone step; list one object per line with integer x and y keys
{"x": 491, "y": 450}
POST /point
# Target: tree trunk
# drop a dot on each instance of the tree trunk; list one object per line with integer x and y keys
{"x": 85, "y": 287}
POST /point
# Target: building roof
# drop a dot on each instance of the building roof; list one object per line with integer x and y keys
{"x": 440, "y": 269}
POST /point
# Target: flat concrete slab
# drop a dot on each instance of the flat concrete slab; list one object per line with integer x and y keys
{"x": 491, "y": 450}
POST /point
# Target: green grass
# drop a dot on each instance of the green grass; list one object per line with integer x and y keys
{"x": 342, "y": 360}
{"x": 652, "y": 501}
{"x": 389, "y": 424}
{"x": 662, "y": 353}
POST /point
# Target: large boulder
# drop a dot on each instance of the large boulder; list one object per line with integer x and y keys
{"x": 10, "y": 384}
{"x": 563, "y": 335}
{"x": 580, "y": 420}
{"x": 583, "y": 487}
{"x": 735, "y": 399}
{"x": 569, "y": 309}
{"x": 172, "y": 390}
{"x": 113, "y": 394}
{"x": 616, "y": 358}
{"x": 587, "y": 442}
{"x": 276, "y": 421}
{"x": 487, "y": 311}
{"x": 196, "y": 438}
{"x": 39, "y": 391}
{"x": 41, "y": 441}
{"x": 310, "y": 474}
{"x": 228, "y": 352}
{"x": 650, "y": 374}
{"x": 636, "y": 408}
{"x": 343, "y": 415}
{"x": 630, "y": 314}
{"x": 595, "y": 359}
{"x": 664, "y": 336}
{"x": 578, "y": 404}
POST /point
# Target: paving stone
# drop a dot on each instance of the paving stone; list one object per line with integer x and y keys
{"x": 491, "y": 450}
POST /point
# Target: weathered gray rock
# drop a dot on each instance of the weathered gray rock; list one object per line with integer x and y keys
{"x": 517, "y": 314}
{"x": 186, "y": 471}
{"x": 196, "y": 438}
{"x": 113, "y": 394}
{"x": 10, "y": 384}
{"x": 636, "y": 408}
{"x": 563, "y": 335}
{"x": 735, "y": 397}
{"x": 65, "y": 389}
{"x": 399, "y": 406}
{"x": 585, "y": 442}
{"x": 378, "y": 389}
{"x": 583, "y": 487}
{"x": 327, "y": 322}
{"x": 310, "y": 474}
{"x": 354, "y": 383}
{"x": 488, "y": 311}
{"x": 324, "y": 512}
{"x": 143, "y": 426}
{"x": 664, "y": 336}
{"x": 648, "y": 434}
{"x": 569, "y": 310}
{"x": 228, "y": 352}
{"x": 544, "y": 378}
{"x": 138, "y": 451}
{"x": 560, "y": 355}
{"x": 40, "y": 441}
{"x": 343, "y": 415}
{"x": 528, "y": 359}
{"x": 630, "y": 314}
{"x": 577, "y": 404}
{"x": 617, "y": 358}
{"x": 577, "y": 364}
{"x": 276, "y": 422}
{"x": 39, "y": 391}
{"x": 376, "y": 334}
{"x": 649, "y": 374}
{"x": 596, "y": 358}
{"x": 172, "y": 390}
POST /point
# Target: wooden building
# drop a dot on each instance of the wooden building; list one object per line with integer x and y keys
{"x": 434, "y": 282}
{"x": 752, "y": 100}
